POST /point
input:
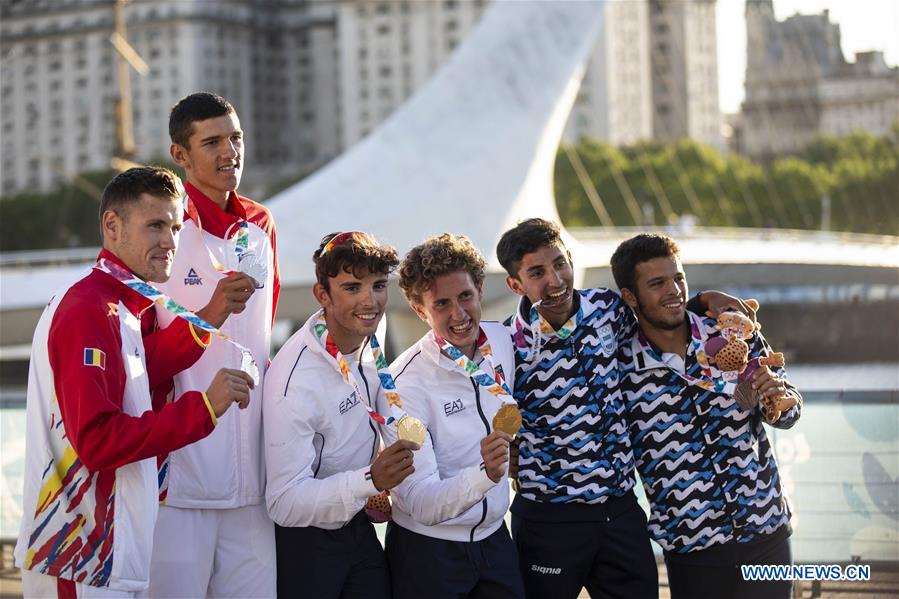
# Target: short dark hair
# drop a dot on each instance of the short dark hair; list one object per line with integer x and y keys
{"x": 351, "y": 253}
{"x": 526, "y": 237}
{"x": 198, "y": 106}
{"x": 127, "y": 187}
{"x": 636, "y": 250}
{"x": 438, "y": 256}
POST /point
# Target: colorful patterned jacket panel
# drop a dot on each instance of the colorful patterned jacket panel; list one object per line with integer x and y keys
{"x": 91, "y": 436}
{"x": 574, "y": 441}
{"x": 706, "y": 464}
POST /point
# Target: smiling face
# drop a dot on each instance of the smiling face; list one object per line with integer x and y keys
{"x": 452, "y": 308}
{"x": 354, "y": 304}
{"x": 546, "y": 275}
{"x": 660, "y": 297}
{"x": 144, "y": 235}
{"x": 213, "y": 158}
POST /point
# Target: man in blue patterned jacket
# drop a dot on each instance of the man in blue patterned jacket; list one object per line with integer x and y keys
{"x": 704, "y": 458}
{"x": 575, "y": 519}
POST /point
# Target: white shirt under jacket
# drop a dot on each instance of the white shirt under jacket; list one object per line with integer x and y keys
{"x": 450, "y": 496}
{"x": 320, "y": 441}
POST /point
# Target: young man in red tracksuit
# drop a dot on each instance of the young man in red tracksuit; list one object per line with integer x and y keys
{"x": 92, "y": 435}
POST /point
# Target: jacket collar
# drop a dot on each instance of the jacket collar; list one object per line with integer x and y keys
{"x": 646, "y": 356}
{"x": 431, "y": 350}
{"x": 311, "y": 340}
{"x": 134, "y": 301}
{"x": 213, "y": 219}
{"x": 522, "y": 331}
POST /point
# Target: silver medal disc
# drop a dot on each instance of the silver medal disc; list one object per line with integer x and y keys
{"x": 251, "y": 264}
{"x": 248, "y": 365}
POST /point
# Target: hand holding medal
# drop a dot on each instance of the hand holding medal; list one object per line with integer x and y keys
{"x": 130, "y": 280}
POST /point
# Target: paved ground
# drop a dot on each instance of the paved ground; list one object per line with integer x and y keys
{"x": 884, "y": 583}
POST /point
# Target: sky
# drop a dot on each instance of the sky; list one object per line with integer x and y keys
{"x": 864, "y": 25}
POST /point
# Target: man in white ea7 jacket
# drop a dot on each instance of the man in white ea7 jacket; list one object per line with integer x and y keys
{"x": 450, "y": 496}
{"x": 319, "y": 440}
{"x": 448, "y": 537}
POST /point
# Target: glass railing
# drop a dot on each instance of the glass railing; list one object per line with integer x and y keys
{"x": 839, "y": 465}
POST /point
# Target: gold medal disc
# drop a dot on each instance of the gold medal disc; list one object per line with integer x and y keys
{"x": 507, "y": 419}
{"x": 410, "y": 428}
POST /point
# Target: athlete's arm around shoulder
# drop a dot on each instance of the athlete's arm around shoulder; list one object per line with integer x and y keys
{"x": 89, "y": 377}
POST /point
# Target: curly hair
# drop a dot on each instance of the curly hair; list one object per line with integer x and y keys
{"x": 353, "y": 253}
{"x": 438, "y": 256}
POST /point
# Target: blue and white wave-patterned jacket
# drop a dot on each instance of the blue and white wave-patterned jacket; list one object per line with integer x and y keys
{"x": 706, "y": 463}
{"x": 574, "y": 439}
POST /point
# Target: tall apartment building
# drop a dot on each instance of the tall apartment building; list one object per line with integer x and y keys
{"x": 387, "y": 50}
{"x": 799, "y": 84}
{"x": 684, "y": 67}
{"x": 58, "y": 88}
{"x": 614, "y": 102}
{"x": 309, "y": 77}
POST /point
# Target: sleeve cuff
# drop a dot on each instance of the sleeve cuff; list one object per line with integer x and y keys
{"x": 696, "y": 305}
{"x": 212, "y": 415}
{"x": 204, "y": 343}
{"x": 363, "y": 485}
{"x": 478, "y": 479}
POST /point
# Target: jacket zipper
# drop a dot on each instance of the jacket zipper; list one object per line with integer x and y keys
{"x": 374, "y": 449}
{"x": 477, "y": 399}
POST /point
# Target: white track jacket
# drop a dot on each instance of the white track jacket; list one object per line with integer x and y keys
{"x": 226, "y": 469}
{"x": 450, "y": 496}
{"x": 319, "y": 439}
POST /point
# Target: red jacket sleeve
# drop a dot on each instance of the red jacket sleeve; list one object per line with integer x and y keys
{"x": 172, "y": 349}
{"x": 90, "y": 396}
{"x": 276, "y": 286}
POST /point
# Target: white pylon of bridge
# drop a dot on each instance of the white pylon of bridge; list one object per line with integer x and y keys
{"x": 472, "y": 151}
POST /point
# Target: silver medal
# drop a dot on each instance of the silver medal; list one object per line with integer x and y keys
{"x": 251, "y": 264}
{"x": 248, "y": 365}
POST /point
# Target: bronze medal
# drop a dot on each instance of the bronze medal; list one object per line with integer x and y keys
{"x": 410, "y": 428}
{"x": 507, "y": 419}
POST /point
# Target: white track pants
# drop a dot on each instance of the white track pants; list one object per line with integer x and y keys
{"x": 213, "y": 553}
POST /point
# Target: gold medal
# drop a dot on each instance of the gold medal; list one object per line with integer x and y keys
{"x": 507, "y": 419}
{"x": 410, "y": 428}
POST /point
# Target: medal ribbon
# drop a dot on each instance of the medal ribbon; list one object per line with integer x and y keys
{"x": 241, "y": 238}
{"x": 130, "y": 280}
{"x": 539, "y": 326}
{"x": 493, "y": 384}
{"x": 708, "y": 381}
{"x": 343, "y": 367}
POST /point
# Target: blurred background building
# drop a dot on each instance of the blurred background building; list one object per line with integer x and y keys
{"x": 327, "y": 81}
{"x": 310, "y": 77}
{"x": 799, "y": 85}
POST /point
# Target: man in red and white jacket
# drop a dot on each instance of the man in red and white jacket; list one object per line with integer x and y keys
{"x": 213, "y": 535}
{"x": 92, "y": 435}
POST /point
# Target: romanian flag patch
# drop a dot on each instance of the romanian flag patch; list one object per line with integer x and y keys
{"x": 94, "y": 357}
